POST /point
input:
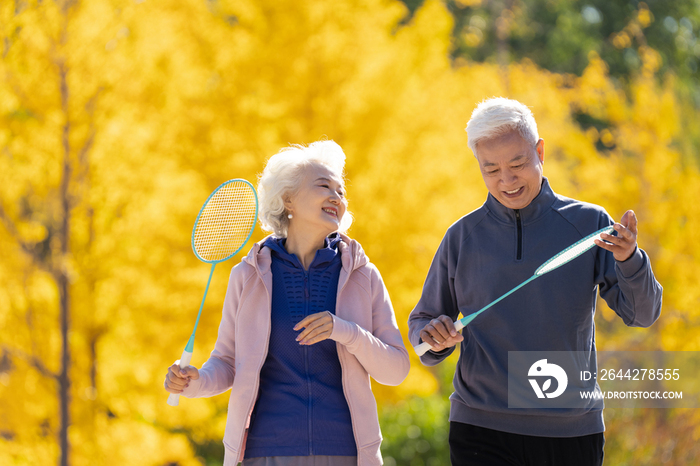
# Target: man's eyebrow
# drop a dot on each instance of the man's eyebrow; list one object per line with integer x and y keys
{"x": 517, "y": 158}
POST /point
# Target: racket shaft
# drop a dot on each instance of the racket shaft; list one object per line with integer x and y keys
{"x": 174, "y": 398}
{"x": 464, "y": 321}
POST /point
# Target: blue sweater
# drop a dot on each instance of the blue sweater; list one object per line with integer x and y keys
{"x": 301, "y": 409}
{"x": 491, "y": 250}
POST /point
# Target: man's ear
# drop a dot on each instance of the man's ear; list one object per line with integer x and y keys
{"x": 539, "y": 147}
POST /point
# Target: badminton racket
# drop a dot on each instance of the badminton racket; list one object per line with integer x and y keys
{"x": 565, "y": 256}
{"x": 223, "y": 226}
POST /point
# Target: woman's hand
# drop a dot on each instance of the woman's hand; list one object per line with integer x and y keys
{"x": 176, "y": 380}
{"x": 318, "y": 327}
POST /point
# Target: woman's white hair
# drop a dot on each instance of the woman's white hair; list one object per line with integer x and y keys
{"x": 497, "y": 116}
{"x": 283, "y": 175}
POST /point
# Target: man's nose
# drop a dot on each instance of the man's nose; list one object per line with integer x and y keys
{"x": 508, "y": 176}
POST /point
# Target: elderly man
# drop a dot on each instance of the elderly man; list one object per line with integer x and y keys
{"x": 484, "y": 254}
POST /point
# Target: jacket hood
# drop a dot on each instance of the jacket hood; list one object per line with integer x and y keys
{"x": 351, "y": 254}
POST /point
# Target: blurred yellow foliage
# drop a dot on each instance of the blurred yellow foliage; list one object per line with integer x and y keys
{"x": 142, "y": 108}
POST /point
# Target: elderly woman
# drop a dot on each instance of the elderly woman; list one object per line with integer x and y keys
{"x": 306, "y": 322}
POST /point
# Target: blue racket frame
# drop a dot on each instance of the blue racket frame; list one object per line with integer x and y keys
{"x": 190, "y": 343}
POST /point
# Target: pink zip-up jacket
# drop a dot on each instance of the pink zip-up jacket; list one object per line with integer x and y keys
{"x": 364, "y": 327}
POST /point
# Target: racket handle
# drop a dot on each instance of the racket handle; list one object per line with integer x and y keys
{"x": 425, "y": 346}
{"x": 174, "y": 398}
{"x": 422, "y": 348}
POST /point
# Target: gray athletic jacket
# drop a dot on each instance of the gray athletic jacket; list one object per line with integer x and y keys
{"x": 490, "y": 251}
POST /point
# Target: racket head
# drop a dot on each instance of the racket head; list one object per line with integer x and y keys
{"x": 572, "y": 252}
{"x": 225, "y": 222}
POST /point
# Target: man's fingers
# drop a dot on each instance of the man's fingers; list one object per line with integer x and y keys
{"x": 612, "y": 247}
{"x": 631, "y": 221}
{"x": 449, "y": 325}
{"x": 440, "y": 333}
{"x": 623, "y": 233}
{"x": 624, "y": 221}
{"x": 624, "y": 243}
{"x": 610, "y": 239}
{"x": 623, "y": 239}
{"x": 438, "y": 343}
{"x": 426, "y": 336}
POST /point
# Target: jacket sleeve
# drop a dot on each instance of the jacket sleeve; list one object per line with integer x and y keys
{"x": 629, "y": 287}
{"x": 381, "y": 351}
{"x": 217, "y": 373}
{"x": 631, "y": 290}
{"x": 438, "y": 298}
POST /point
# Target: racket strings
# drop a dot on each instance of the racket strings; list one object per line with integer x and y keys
{"x": 571, "y": 252}
{"x": 225, "y": 222}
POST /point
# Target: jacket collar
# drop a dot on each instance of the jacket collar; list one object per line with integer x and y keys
{"x": 352, "y": 255}
{"x": 536, "y": 209}
{"x": 323, "y": 257}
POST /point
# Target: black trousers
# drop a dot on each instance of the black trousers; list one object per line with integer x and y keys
{"x": 477, "y": 446}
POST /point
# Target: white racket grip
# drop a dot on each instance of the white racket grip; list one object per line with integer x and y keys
{"x": 174, "y": 398}
{"x": 425, "y": 346}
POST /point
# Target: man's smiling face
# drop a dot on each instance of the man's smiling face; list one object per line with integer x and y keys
{"x": 511, "y": 168}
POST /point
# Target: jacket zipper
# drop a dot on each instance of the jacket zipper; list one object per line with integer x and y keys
{"x": 306, "y": 366}
{"x": 519, "y": 227}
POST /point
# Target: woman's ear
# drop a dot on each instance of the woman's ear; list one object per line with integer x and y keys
{"x": 287, "y": 199}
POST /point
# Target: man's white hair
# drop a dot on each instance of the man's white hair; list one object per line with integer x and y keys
{"x": 497, "y": 116}
{"x": 283, "y": 175}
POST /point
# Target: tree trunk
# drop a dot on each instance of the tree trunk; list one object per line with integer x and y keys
{"x": 62, "y": 279}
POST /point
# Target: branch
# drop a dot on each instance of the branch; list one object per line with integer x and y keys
{"x": 26, "y": 247}
{"x": 90, "y": 110}
{"x": 33, "y": 361}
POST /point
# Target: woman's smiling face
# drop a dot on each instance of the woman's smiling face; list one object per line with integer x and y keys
{"x": 319, "y": 204}
{"x": 511, "y": 168}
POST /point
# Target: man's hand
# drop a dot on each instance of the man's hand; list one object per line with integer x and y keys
{"x": 624, "y": 244}
{"x": 440, "y": 334}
